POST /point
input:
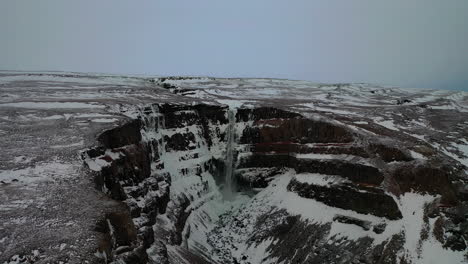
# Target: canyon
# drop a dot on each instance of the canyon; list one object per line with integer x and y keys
{"x": 131, "y": 169}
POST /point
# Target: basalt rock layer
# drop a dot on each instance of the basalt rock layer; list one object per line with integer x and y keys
{"x": 186, "y": 145}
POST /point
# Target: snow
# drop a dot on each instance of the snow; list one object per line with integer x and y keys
{"x": 417, "y": 155}
{"x": 308, "y": 209}
{"x": 258, "y": 254}
{"x": 361, "y": 122}
{"x": 432, "y": 252}
{"x": 320, "y": 156}
{"x": 96, "y": 164}
{"x": 104, "y": 120}
{"x": 53, "y": 117}
{"x": 463, "y": 148}
{"x": 206, "y": 198}
{"x": 342, "y": 157}
{"x": 62, "y": 246}
{"x": 233, "y": 104}
{"x": 411, "y": 205}
{"x": 92, "y": 115}
{"x": 22, "y": 159}
{"x": 40, "y": 172}
{"x": 77, "y": 144}
{"x": 319, "y": 179}
{"x": 388, "y": 124}
{"x": 51, "y": 105}
{"x": 412, "y": 208}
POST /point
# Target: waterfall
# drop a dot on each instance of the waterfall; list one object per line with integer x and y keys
{"x": 230, "y": 145}
{"x": 153, "y": 124}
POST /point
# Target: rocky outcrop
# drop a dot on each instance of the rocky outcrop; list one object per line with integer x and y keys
{"x": 119, "y": 239}
{"x": 388, "y": 153}
{"x": 357, "y": 173}
{"x": 262, "y": 113}
{"x": 299, "y": 241}
{"x": 365, "y": 201}
{"x": 136, "y": 169}
{"x": 126, "y": 134}
{"x": 426, "y": 179}
{"x": 121, "y": 168}
{"x": 296, "y": 130}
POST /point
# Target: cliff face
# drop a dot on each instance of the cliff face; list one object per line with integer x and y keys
{"x": 197, "y": 170}
{"x": 171, "y": 167}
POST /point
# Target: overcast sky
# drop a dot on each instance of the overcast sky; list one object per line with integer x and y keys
{"x": 409, "y": 43}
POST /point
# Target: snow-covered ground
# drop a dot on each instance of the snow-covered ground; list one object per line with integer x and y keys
{"x": 49, "y": 205}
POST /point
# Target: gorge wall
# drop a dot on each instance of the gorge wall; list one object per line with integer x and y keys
{"x": 213, "y": 184}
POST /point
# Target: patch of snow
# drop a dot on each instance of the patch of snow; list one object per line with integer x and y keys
{"x": 52, "y": 105}
{"x": 388, "y": 124}
{"x": 77, "y": 144}
{"x": 417, "y": 155}
{"x": 320, "y": 179}
{"x": 432, "y": 251}
{"x": 105, "y": 120}
{"x": 62, "y": 246}
{"x": 233, "y": 104}
{"x": 22, "y": 159}
{"x": 361, "y": 122}
{"x": 40, "y": 172}
{"x": 412, "y": 208}
{"x": 96, "y": 164}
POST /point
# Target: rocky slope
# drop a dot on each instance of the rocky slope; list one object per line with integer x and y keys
{"x": 103, "y": 169}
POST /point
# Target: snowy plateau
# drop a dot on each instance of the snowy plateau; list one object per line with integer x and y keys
{"x": 101, "y": 168}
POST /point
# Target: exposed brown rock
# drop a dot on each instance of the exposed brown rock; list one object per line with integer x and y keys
{"x": 374, "y": 202}
{"x": 297, "y": 130}
{"x": 426, "y": 179}
{"x": 355, "y": 172}
{"x": 388, "y": 153}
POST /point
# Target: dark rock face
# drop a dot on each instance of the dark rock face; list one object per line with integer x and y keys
{"x": 380, "y": 228}
{"x": 354, "y": 172}
{"x": 126, "y": 134}
{"x": 389, "y": 154}
{"x": 426, "y": 180}
{"x": 256, "y": 177}
{"x": 179, "y": 142}
{"x": 369, "y": 201}
{"x": 354, "y": 221}
{"x": 179, "y": 116}
{"x": 297, "y": 130}
{"x": 123, "y": 229}
{"x": 179, "y": 217}
{"x": 130, "y": 170}
{"x": 260, "y": 113}
{"x": 120, "y": 237}
{"x": 127, "y": 175}
{"x": 357, "y": 173}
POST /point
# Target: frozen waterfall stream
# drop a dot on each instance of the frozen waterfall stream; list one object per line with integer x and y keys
{"x": 230, "y": 145}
